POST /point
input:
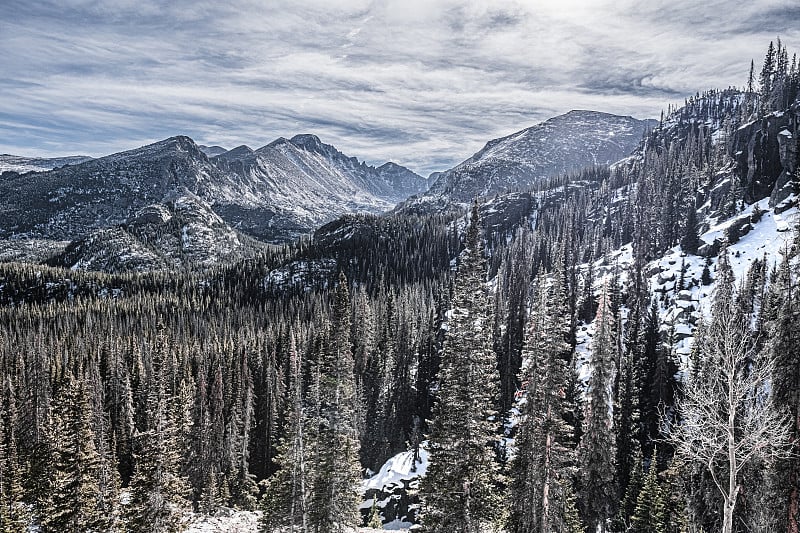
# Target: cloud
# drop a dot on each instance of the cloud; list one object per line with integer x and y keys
{"x": 420, "y": 82}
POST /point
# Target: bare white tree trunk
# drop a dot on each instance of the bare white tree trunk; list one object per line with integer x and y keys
{"x": 729, "y": 420}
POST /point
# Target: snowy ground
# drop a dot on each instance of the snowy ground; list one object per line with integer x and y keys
{"x": 232, "y": 522}
{"x": 679, "y": 309}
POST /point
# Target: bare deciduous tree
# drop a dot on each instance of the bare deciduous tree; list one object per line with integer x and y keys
{"x": 729, "y": 421}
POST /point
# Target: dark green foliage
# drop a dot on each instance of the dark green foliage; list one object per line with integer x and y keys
{"x": 336, "y": 471}
{"x": 158, "y": 490}
{"x": 223, "y": 379}
{"x": 597, "y": 448}
{"x": 691, "y": 239}
{"x": 75, "y": 497}
{"x": 545, "y": 460}
{"x": 650, "y": 513}
{"x": 460, "y": 490}
{"x": 286, "y": 493}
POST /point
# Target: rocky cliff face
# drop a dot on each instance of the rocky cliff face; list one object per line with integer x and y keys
{"x": 765, "y": 152}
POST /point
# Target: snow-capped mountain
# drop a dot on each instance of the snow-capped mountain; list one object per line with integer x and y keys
{"x": 304, "y": 183}
{"x": 562, "y": 144}
{"x": 286, "y": 188}
{"x": 20, "y": 164}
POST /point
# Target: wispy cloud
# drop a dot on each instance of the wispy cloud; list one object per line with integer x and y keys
{"x": 420, "y": 82}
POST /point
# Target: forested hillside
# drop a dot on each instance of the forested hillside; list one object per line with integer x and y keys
{"x": 609, "y": 349}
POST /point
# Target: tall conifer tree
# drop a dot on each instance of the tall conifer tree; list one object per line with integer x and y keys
{"x": 545, "y": 457}
{"x": 335, "y": 498}
{"x": 460, "y": 489}
{"x": 597, "y": 447}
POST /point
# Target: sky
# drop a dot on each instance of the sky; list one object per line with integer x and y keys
{"x": 424, "y": 83}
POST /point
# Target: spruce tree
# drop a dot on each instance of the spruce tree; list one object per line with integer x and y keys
{"x": 782, "y": 310}
{"x": 74, "y": 504}
{"x": 285, "y": 500}
{"x": 336, "y": 470}
{"x": 691, "y": 239}
{"x": 650, "y": 516}
{"x": 597, "y": 447}
{"x": 765, "y": 79}
{"x": 13, "y": 512}
{"x": 545, "y": 455}
{"x": 460, "y": 489}
{"x": 157, "y": 489}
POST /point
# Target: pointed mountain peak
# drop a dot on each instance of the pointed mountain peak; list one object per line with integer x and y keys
{"x": 212, "y": 151}
{"x": 390, "y": 166}
{"x": 236, "y": 153}
{"x": 306, "y": 139}
{"x": 310, "y": 142}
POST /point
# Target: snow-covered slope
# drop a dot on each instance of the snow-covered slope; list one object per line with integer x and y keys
{"x": 561, "y": 144}
{"x": 681, "y": 307}
{"x": 305, "y": 183}
{"x": 20, "y": 164}
{"x": 182, "y": 232}
{"x": 390, "y": 490}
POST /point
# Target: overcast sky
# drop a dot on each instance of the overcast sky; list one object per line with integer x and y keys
{"x": 424, "y": 83}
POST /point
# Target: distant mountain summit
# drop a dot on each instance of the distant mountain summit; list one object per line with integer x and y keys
{"x": 562, "y": 144}
{"x": 301, "y": 183}
{"x": 20, "y": 164}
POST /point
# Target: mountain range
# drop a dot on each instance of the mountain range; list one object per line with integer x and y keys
{"x": 177, "y": 203}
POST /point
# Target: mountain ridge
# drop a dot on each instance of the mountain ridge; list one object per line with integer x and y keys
{"x": 561, "y": 144}
{"x": 274, "y": 193}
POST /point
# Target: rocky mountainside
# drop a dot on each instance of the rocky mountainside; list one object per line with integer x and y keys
{"x": 562, "y": 144}
{"x": 275, "y": 193}
{"x": 212, "y": 151}
{"x": 181, "y": 232}
{"x": 303, "y": 183}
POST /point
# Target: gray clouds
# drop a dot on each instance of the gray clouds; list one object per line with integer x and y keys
{"x": 421, "y": 82}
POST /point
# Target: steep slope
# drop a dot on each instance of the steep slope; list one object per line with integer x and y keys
{"x": 565, "y": 143}
{"x": 305, "y": 183}
{"x": 69, "y": 202}
{"x": 182, "y": 232}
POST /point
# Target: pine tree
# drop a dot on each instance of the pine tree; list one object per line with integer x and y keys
{"x": 285, "y": 500}
{"x": 210, "y": 500}
{"x": 460, "y": 489}
{"x": 374, "y": 520}
{"x": 691, "y": 239}
{"x": 335, "y": 497}
{"x": 750, "y": 96}
{"x": 597, "y": 447}
{"x": 13, "y": 513}
{"x": 627, "y": 505}
{"x": 649, "y": 516}
{"x": 765, "y": 79}
{"x": 545, "y": 454}
{"x": 572, "y": 519}
{"x": 74, "y": 504}
{"x": 782, "y": 309}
